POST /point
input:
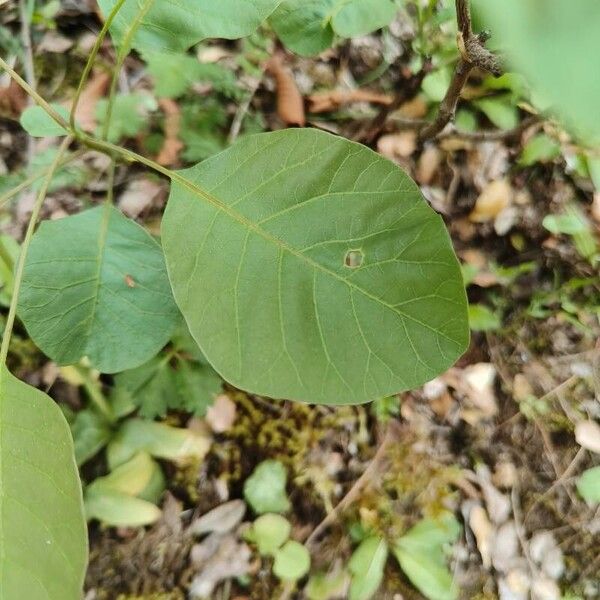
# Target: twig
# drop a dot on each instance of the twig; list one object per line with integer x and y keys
{"x": 242, "y": 111}
{"x": 27, "y": 62}
{"x": 473, "y": 54}
{"x": 91, "y": 60}
{"x": 20, "y": 268}
{"x": 448, "y": 106}
{"x": 491, "y": 135}
{"x": 408, "y": 91}
{"x": 355, "y": 489}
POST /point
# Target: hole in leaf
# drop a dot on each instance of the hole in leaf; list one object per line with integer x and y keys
{"x": 354, "y": 259}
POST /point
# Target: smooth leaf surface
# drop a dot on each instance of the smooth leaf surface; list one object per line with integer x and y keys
{"x": 588, "y": 485}
{"x": 43, "y": 539}
{"x": 264, "y": 490}
{"x": 176, "y": 25}
{"x": 119, "y": 509}
{"x": 158, "y": 439}
{"x": 95, "y": 285}
{"x": 308, "y": 27}
{"x": 367, "y": 565}
{"x": 37, "y": 123}
{"x": 359, "y": 17}
{"x": 269, "y": 532}
{"x": 291, "y": 561}
{"x": 313, "y": 269}
{"x": 421, "y": 557}
{"x": 555, "y": 44}
{"x": 304, "y": 26}
{"x": 91, "y": 432}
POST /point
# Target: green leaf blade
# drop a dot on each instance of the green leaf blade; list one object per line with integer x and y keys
{"x": 281, "y": 313}
{"x": 367, "y": 565}
{"x": 176, "y": 25}
{"x": 555, "y": 45}
{"x": 304, "y": 26}
{"x": 360, "y": 17}
{"x": 95, "y": 285}
{"x": 38, "y": 123}
{"x": 421, "y": 557}
{"x": 43, "y": 539}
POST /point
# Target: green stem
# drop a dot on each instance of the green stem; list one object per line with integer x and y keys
{"x": 12, "y": 311}
{"x": 90, "y": 62}
{"x": 94, "y": 391}
{"x": 110, "y": 192}
{"x": 33, "y": 94}
{"x": 122, "y": 55}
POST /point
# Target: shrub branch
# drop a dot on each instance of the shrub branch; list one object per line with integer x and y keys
{"x": 473, "y": 54}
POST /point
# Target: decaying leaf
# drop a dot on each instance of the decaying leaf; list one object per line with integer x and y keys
{"x": 221, "y": 519}
{"x": 172, "y": 145}
{"x": 494, "y": 198}
{"x": 221, "y": 415}
{"x": 290, "y": 103}
{"x": 587, "y": 435}
{"x": 484, "y": 532}
{"x": 333, "y": 100}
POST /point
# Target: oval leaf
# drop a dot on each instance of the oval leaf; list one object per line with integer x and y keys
{"x": 43, "y": 539}
{"x": 308, "y": 27}
{"x": 313, "y": 269}
{"x": 292, "y": 561}
{"x": 367, "y": 565}
{"x": 118, "y": 509}
{"x": 95, "y": 285}
{"x": 304, "y": 26}
{"x": 37, "y": 123}
{"x": 360, "y": 17}
{"x": 421, "y": 556}
{"x": 176, "y": 25}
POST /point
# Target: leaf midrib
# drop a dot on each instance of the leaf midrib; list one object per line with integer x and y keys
{"x": 241, "y": 219}
{"x": 100, "y": 259}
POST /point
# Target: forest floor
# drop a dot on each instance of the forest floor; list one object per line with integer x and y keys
{"x": 492, "y": 440}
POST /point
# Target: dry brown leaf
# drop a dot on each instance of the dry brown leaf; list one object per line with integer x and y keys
{"x": 429, "y": 163}
{"x": 329, "y": 101}
{"x": 596, "y": 207}
{"x": 484, "y": 533}
{"x": 218, "y": 558}
{"x": 221, "y": 519}
{"x": 13, "y": 100}
{"x": 414, "y": 109}
{"x": 172, "y": 146}
{"x": 505, "y": 475}
{"x": 587, "y": 435}
{"x": 397, "y": 145}
{"x": 479, "y": 389}
{"x": 290, "y": 103}
{"x": 505, "y": 550}
{"x": 494, "y": 198}
{"x": 96, "y": 88}
{"x": 139, "y": 195}
{"x": 221, "y": 415}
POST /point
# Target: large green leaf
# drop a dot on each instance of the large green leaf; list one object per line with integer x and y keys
{"x": 95, "y": 285}
{"x": 308, "y": 26}
{"x": 555, "y": 44}
{"x": 175, "y": 25}
{"x": 313, "y": 269}
{"x": 43, "y": 540}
